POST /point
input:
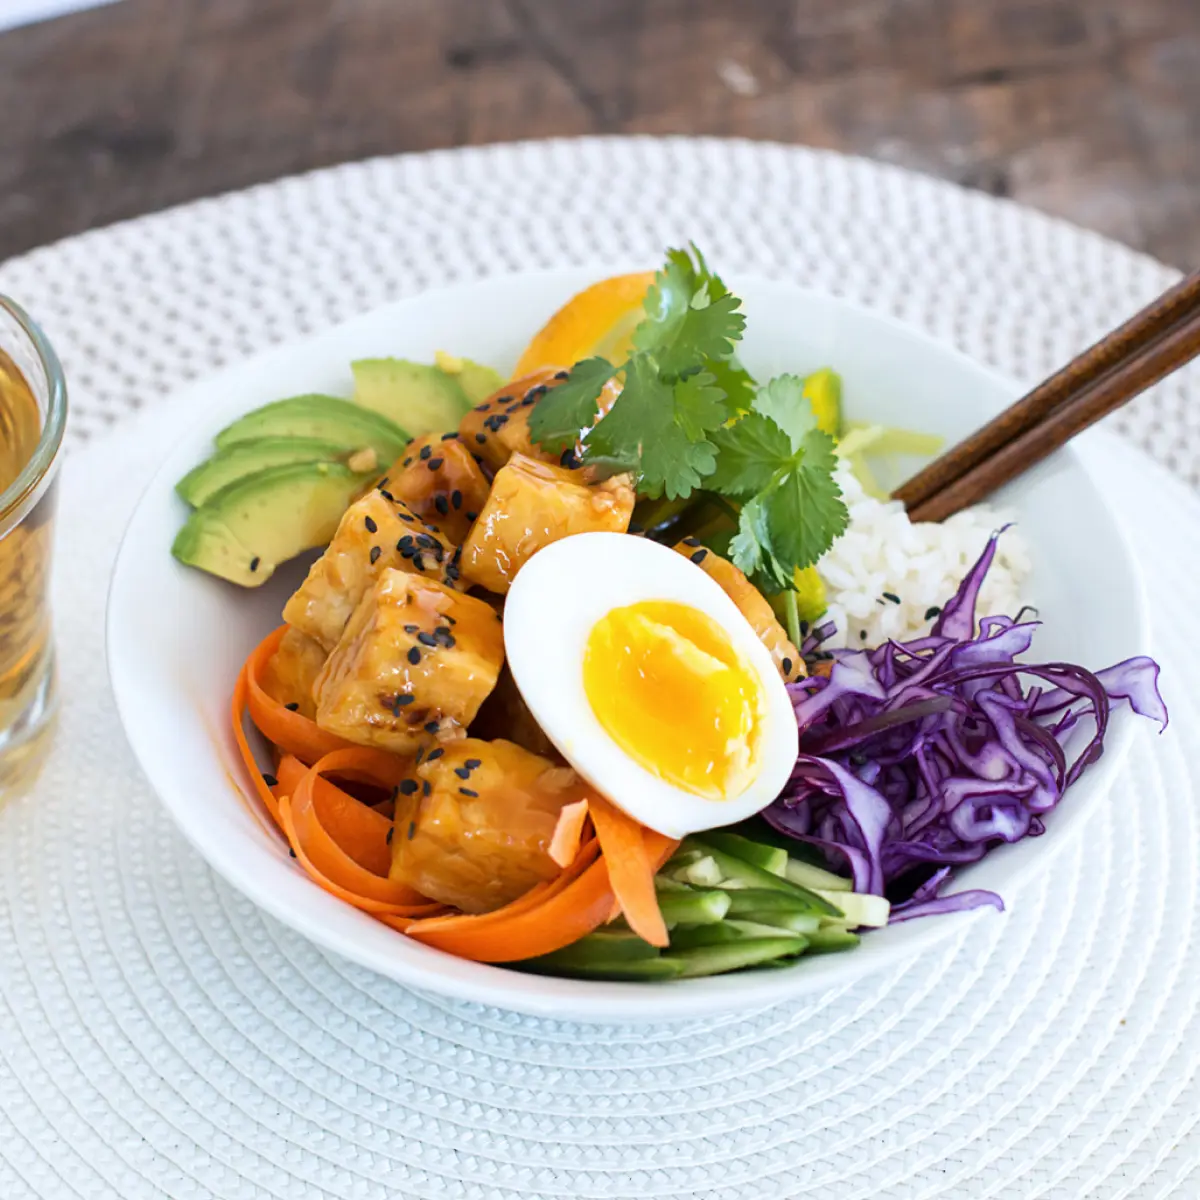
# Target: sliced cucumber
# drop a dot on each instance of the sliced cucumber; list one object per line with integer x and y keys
{"x": 693, "y": 908}
{"x": 732, "y": 956}
{"x": 831, "y": 939}
{"x": 632, "y": 969}
{"x": 734, "y": 869}
{"x": 792, "y": 922}
{"x": 816, "y": 879}
{"x": 767, "y": 858}
{"x": 860, "y": 908}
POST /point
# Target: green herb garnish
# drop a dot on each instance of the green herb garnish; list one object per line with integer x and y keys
{"x": 690, "y": 417}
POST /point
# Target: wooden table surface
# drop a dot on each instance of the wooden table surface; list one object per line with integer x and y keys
{"x": 1085, "y": 108}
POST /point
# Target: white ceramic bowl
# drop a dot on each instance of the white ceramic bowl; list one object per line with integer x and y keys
{"x": 176, "y": 637}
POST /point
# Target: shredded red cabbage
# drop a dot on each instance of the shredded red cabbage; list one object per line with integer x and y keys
{"x": 918, "y": 756}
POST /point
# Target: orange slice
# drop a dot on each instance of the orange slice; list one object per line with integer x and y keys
{"x": 599, "y": 320}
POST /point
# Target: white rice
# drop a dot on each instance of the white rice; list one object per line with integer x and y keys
{"x": 923, "y": 564}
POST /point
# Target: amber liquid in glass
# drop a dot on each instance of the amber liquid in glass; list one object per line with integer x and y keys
{"x": 24, "y": 575}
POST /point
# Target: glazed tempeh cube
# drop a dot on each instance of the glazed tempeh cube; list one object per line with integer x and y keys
{"x": 440, "y": 481}
{"x": 473, "y": 827}
{"x": 533, "y": 504}
{"x": 414, "y": 663}
{"x": 292, "y": 671}
{"x": 375, "y": 534}
{"x": 752, "y": 604}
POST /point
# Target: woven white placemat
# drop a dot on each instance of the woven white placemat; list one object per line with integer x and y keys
{"x": 161, "y": 1038}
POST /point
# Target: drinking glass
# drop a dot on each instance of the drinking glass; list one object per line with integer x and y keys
{"x": 33, "y": 410}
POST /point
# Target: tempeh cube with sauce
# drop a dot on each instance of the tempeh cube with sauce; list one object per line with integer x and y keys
{"x": 377, "y": 533}
{"x": 473, "y": 827}
{"x": 292, "y": 671}
{"x": 412, "y": 666}
{"x": 439, "y": 479}
{"x": 532, "y": 504}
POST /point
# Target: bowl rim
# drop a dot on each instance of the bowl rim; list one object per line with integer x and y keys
{"x": 493, "y": 985}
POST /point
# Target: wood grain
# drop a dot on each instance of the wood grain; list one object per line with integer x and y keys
{"x": 1086, "y": 108}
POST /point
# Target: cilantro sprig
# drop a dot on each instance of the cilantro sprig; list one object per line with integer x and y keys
{"x": 689, "y": 417}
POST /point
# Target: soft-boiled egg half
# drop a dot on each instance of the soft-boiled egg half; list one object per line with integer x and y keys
{"x": 650, "y": 682}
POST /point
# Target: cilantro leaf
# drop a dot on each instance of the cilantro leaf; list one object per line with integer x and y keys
{"x": 734, "y": 380}
{"x": 749, "y": 454}
{"x": 690, "y": 316}
{"x": 657, "y": 430}
{"x": 750, "y": 548}
{"x": 700, "y": 407}
{"x": 565, "y": 411}
{"x": 804, "y": 509}
{"x": 783, "y": 400}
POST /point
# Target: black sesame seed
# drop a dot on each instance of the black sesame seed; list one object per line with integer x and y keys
{"x": 446, "y": 437}
{"x": 382, "y": 483}
{"x": 691, "y": 541}
{"x": 427, "y": 639}
{"x": 862, "y": 635}
{"x": 270, "y": 780}
{"x": 418, "y": 562}
{"x": 254, "y": 563}
{"x": 412, "y": 629}
{"x": 430, "y": 528}
{"x": 930, "y": 613}
{"x": 293, "y": 707}
{"x": 441, "y": 505}
{"x": 449, "y": 619}
{"x": 371, "y": 526}
{"x": 291, "y": 852}
{"x": 699, "y": 556}
{"x": 481, "y": 438}
{"x": 390, "y": 834}
{"x": 456, "y": 498}
{"x": 375, "y": 553}
{"x": 528, "y": 401}
{"x": 387, "y": 496}
{"x": 407, "y": 517}
{"x": 540, "y": 390}
{"x": 892, "y": 597}
{"x": 513, "y": 408}
{"x": 568, "y": 459}
{"x": 408, "y": 787}
{"x": 425, "y": 786}
{"x": 434, "y": 754}
{"x": 412, "y": 825}
{"x": 426, "y": 451}
{"x": 471, "y": 516}
{"x": 435, "y": 464}
{"x": 500, "y": 419}
{"x": 407, "y": 462}
{"x": 483, "y": 407}
{"x": 562, "y": 374}
{"x": 432, "y": 726}
{"x": 468, "y": 792}
{"x": 414, "y": 655}
{"x": 462, "y": 772}
{"x": 472, "y": 763}
{"x": 502, "y": 400}
{"x": 404, "y": 698}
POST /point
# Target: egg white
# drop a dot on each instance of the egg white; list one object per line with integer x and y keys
{"x": 556, "y": 599}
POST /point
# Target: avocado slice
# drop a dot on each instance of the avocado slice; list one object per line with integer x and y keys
{"x": 247, "y": 458}
{"x": 244, "y": 531}
{"x": 479, "y": 382}
{"x": 325, "y": 418}
{"x": 424, "y": 398}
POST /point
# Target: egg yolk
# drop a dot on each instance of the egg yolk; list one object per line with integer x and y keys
{"x": 667, "y": 685}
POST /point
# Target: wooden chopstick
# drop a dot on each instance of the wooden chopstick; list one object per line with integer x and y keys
{"x": 1093, "y": 384}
